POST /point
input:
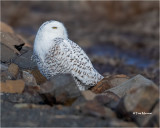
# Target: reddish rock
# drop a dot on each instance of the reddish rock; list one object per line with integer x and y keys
{"x": 12, "y": 86}
{"x": 109, "y": 82}
{"x": 5, "y": 27}
{"x": 40, "y": 79}
{"x": 13, "y": 70}
{"x": 88, "y": 95}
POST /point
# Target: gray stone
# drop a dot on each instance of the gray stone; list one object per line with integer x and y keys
{"x": 60, "y": 89}
{"x": 11, "y": 45}
{"x": 134, "y": 82}
{"x": 120, "y": 123}
{"x": 78, "y": 102}
{"x": 12, "y": 41}
{"x": 29, "y": 79}
{"x": 5, "y": 75}
{"x": 25, "y": 97}
{"x": 3, "y": 67}
{"x": 25, "y": 61}
{"x": 7, "y": 54}
{"x": 141, "y": 99}
{"x": 108, "y": 99}
{"x": 94, "y": 108}
{"x": 152, "y": 120}
{"x": 137, "y": 103}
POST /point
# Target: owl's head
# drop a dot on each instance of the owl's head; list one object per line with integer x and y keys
{"x": 46, "y": 34}
{"x": 54, "y": 29}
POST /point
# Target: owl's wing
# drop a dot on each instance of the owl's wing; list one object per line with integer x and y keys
{"x": 59, "y": 57}
{"x": 81, "y": 66}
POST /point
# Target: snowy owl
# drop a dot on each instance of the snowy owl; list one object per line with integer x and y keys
{"x": 55, "y": 53}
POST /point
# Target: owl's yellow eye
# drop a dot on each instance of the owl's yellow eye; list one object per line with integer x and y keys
{"x": 54, "y": 27}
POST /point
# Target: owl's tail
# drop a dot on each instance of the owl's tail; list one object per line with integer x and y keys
{"x": 99, "y": 77}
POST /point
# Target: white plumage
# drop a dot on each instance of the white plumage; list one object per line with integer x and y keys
{"x": 55, "y": 53}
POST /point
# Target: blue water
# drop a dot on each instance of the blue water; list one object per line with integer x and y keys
{"x": 130, "y": 58}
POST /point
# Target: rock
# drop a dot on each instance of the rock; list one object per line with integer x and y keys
{"x": 33, "y": 106}
{"x": 27, "y": 44}
{"x": 109, "y": 82}
{"x": 138, "y": 101}
{"x": 60, "y": 89}
{"x": 12, "y": 86}
{"x": 25, "y": 97}
{"x": 25, "y": 61}
{"x": 94, "y": 108}
{"x": 7, "y": 54}
{"x": 85, "y": 96}
{"x": 59, "y": 107}
{"x": 29, "y": 79}
{"x": 11, "y": 73}
{"x": 13, "y": 70}
{"x": 79, "y": 102}
{"x": 88, "y": 95}
{"x": 12, "y": 41}
{"x": 120, "y": 123}
{"x": 134, "y": 82}
{"x": 152, "y": 120}
{"x": 108, "y": 99}
{"x": 3, "y": 67}
{"x": 34, "y": 90}
{"x": 116, "y": 80}
{"x": 110, "y": 113}
{"x": 11, "y": 45}
{"x": 5, "y": 75}
{"x": 40, "y": 79}
{"x": 5, "y": 27}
